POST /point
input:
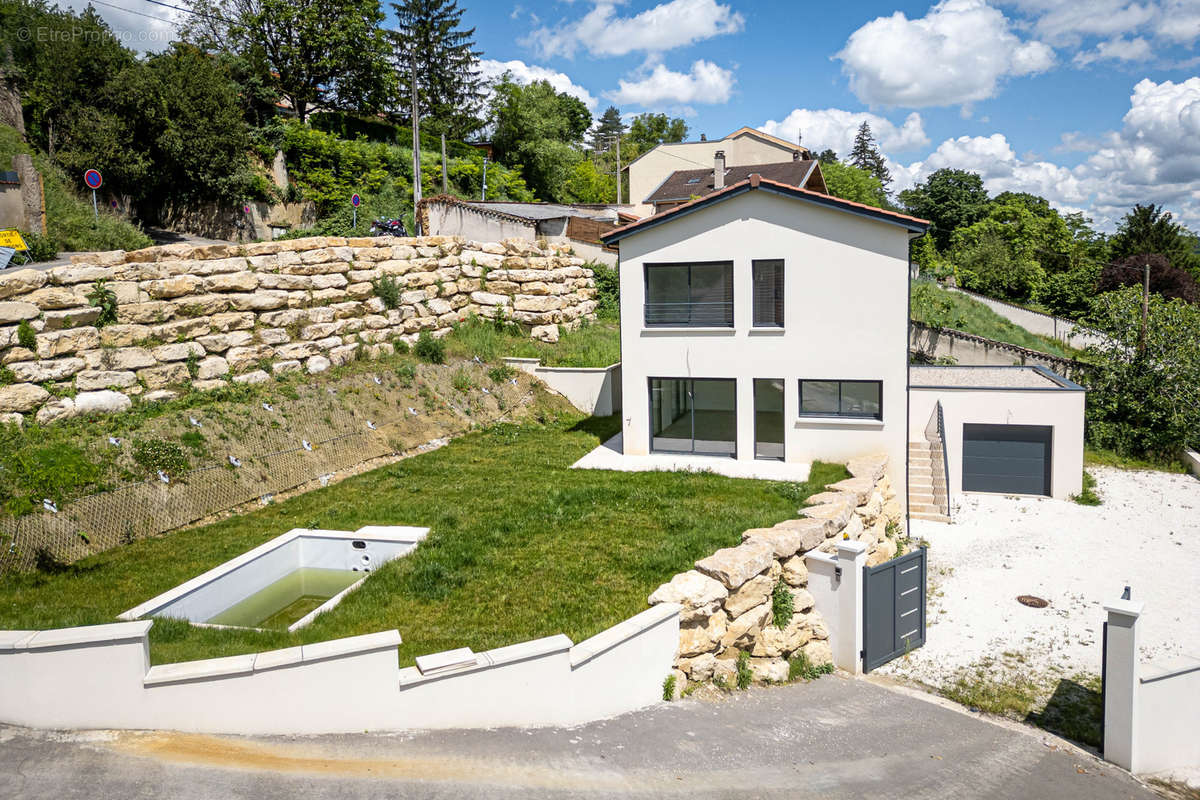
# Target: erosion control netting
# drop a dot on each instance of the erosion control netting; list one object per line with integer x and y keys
{"x": 308, "y": 434}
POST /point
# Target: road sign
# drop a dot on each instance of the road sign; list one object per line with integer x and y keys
{"x": 92, "y": 179}
{"x": 355, "y": 200}
{"x": 12, "y": 238}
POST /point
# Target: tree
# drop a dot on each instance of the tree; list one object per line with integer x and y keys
{"x": 537, "y": 129}
{"x": 851, "y": 183}
{"x": 827, "y": 156}
{"x": 329, "y": 53}
{"x": 950, "y": 199}
{"x": 610, "y": 125}
{"x": 647, "y": 131}
{"x": 1028, "y": 229}
{"x": 1144, "y": 402}
{"x": 1166, "y": 279}
{"x": 428, "y": 36}
{"x": 587, "y": 184}
{"x": 1150, "y": 229}
{"x": 866, "y": 156}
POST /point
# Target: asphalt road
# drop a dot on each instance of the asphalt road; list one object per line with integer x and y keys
{"x": 835, "y": 738}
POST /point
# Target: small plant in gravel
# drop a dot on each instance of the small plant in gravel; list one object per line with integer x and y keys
{"x": 744, "y": 675}
{"x": 782, "y": 605}
{"x": 429, "y": 349}
{"x": 800, "y": 668}
{"x": 1087, "y": 496}
{"x": 192, "y": 363}
{"x": 407, "y": 373}
{"x": 153, "y": 455}
{"x": 669, "y": 688}
{"x": 462, "y": 381}
{"x": 26, "y": 335}
{"x": 501, "y": 373}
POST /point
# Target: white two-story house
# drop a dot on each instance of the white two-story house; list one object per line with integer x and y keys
{"x": 766, "y": 321}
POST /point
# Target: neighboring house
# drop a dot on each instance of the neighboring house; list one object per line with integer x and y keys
{"x": 743, "y": 147}
{"x": 689, "y": 184}
{"x": 769, "y": 321}
{"x": 490, "y": 221}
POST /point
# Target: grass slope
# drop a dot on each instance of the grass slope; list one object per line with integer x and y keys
{"x": 594, "y": 344}
{"x": 521, "y": 546}
{"x": 937, "y": 307}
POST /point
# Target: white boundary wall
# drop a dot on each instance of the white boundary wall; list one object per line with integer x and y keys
{"x": 593, "y": 390}
{"x": 1150, "y": 710}
{"x": 1036, "y": 322}
{"x": 100, "y": 676}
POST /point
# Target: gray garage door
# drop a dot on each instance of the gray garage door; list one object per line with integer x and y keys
{"x": 1014, "y": 459}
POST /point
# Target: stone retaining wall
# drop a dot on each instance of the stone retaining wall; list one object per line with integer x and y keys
{"x": 726, "y": 600}
{"x": 212, "y": 314}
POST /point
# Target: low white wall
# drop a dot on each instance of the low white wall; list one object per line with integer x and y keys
{"x": 1192, "y": 459}
{"x": 590, "y": 252}
{"x": 1063, "y": 410}
{"x": 1036, "y": 322}
{"x": 1150, "y": 710}
{"x": 99, "y": 677}
{"x": 593, "y": 390}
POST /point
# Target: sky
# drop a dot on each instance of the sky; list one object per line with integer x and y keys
{"x": 1092, "y": 104}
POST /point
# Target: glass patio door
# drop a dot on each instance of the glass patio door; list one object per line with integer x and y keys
{"x": 693, "y": 415}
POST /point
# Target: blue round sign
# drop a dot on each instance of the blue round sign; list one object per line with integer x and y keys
{"x": 355, "y": 200}
{"x": 92, "y": 179}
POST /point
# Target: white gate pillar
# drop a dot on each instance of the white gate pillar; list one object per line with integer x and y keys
{"x": 1121, "y": 683}
{"x": 847, "y": 650}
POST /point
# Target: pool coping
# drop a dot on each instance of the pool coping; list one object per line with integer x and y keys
{"x": 406, "y": 534}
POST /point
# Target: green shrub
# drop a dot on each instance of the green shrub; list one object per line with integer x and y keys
{"x": 461, "y": 381}
{"x": 801, "y": 668}
{"x": 744, "y": 675}
{"x": 782, "y": 604}
{"x": 38, "y": 463}
{"x": 388, "y": 290}
{"x": 406, "y": 373}
{"x": 105, "y": 299}
{"x": 429, "y": 349}
{"x": 6, "y": 376}
{"x": 400, "y": 347}
{"x": 608, "y": 291}
{"x": 153, "y": 455}
{"x": 26, "y": 335}
{"x": 669, "y": 688}
{"x": 41, "y": 248}
{"x": 195, "y": 441}
{"x": 193, "y": 364}
{"x": 501, "y": 373}
{"x": 1087, "y": 496}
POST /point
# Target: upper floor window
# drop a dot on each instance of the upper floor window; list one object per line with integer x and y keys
{"x": 768, "y": 293}
{"x": 689, "y": 295}
{"x": 859, "y": 399}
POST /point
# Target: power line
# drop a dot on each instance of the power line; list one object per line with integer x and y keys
{"x": 190, "y": 11}
{"x": 136, "y": 13}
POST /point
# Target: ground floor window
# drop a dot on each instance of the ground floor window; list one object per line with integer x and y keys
{"x": 768, "y": 418}
{"x": 830, "y": 398}
{"x": 693, "y": 415}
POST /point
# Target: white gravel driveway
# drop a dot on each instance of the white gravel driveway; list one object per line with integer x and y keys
{"x": 1145, "y": 535}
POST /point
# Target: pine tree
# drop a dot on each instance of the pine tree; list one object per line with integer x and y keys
{"x": 866, "y": 155}
{"x": 610, "y": 125}
{"x": 449, "y": 87}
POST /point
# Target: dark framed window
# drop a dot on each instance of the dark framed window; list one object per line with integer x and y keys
{"x": 689, "y": 295}
{"x": 768, "y": 293}
{"x": 693, "y": 415}
{"x": 853, "y": 399}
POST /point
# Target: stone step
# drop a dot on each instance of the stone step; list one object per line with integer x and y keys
{"x": 930, "y": 517}
{"x": 922, "y": 498}
{"x": 924, "y": 508}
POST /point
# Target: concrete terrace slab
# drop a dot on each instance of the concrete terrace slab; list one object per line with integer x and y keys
{"x": 611, "y": 456}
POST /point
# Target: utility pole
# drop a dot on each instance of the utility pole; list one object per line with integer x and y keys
{"x": 1145, "y": 304}
{"x": 444, "y": 183}
{"x": 618, "y": 169}
{"x": 416, "y": 130}
{"x": 483, "y": 192}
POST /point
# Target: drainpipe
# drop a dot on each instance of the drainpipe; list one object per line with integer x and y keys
{"x": 908, "y": 398}
{"x": 719, "y": 170}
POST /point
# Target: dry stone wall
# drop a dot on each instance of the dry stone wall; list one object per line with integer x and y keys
{"x": 207, "y": 315}
{"x": 727, "y": 600}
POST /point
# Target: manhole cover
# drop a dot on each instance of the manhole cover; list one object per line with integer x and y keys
{"x": 1032, "y": 602}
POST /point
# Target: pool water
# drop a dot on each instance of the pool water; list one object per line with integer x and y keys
{"x": 288, "y": 599}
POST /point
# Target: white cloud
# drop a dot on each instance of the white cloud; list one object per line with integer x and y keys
{"x": 1066, "y": 23}
{"x": 704, "y": 83}
{"x": 1154, "y": 158}
{"x": 524, "y": 73}
{"x": 1118, "y": 49}
{"x": 956, "y": 54}
{"x": 146, "y": 32}
{"x": 835, "y": 128}
{"x": 601, "y": 32}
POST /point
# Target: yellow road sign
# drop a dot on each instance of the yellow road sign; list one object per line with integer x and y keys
{"x": 12, "y": 238}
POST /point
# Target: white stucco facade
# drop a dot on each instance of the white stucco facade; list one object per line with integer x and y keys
{"x": 845, "y": 318}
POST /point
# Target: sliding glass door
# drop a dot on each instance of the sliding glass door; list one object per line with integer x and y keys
{"x": 768, "y": 419}
{"x": 693, "y": 415}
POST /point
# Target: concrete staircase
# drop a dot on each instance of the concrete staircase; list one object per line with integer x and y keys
{"x": 928, "y": 497}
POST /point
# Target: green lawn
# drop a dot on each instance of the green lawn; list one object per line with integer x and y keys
{"x": 1093, "y": 457}
{"x": 594, "y": 344}
{"x": 939, "y": 308}
{"x": 521, "y": 546}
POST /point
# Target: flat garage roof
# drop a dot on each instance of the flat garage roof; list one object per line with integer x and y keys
{"x": 971, "y": 377}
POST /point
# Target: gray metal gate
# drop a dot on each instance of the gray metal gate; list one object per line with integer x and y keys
{"x": 893, "y": 608}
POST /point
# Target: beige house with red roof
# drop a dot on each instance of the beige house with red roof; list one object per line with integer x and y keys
{"x": 743, "y": 147}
